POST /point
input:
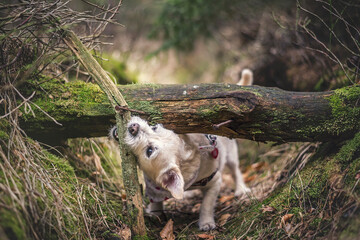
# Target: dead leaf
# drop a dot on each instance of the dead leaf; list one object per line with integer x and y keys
{"x": 97, "y": 162}
{"x": 257, "y": 166}
{"x": 205, "y": 236}
{"x": 223, "y": 219}
{"x": 196, "y": 208}
{"x": 226, "y": 198}
{"x": 95, "y": 174}
{"x": 80, "y": 156}
{"x": 357, "y": 176}
{"x": 123, "y": 196}
{"x": 250, "y": 178}
{"x": 267, "y": 209}
{"x": 167, "y": 233}
{"x": 286, "y": 218}
{"x": 287, "y": 228}
{"x": 66, "y": 95}
{"x": 124, "y": 232}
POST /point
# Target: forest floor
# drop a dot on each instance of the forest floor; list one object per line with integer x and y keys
{"x": 180, "y": 218}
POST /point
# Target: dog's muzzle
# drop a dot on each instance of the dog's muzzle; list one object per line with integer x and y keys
{"x": 134, "y": 129}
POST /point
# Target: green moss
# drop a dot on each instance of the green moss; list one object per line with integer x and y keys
{"x": 345, "y": 109}
{"x": 206, "y": 112}
{"x": 253, "y": 90}
{"x": 148, "y": 107}
{"x": 110, "y": 235}
{"x": 352, "y": 230}
{"x": 72, "y": 99}
{"x": 59, "y": 164}
{"x": 94, "y": 205}
{"x": 138, "y": 237}
{"x": 350, "y": 180}
{"x": 298, "y": 196}
{"x": 256, "y": 132}
{"x": 11, "y": 225}
{"x": 308, "y": 190}
{"x": 140, "y": 86}
{"x": 67, "y": 183}
{"x": 349, "y": 151}
{"x": 4, "y": 129}
{"x": 349, "y": 158}
{"x": 345, "y": 114}
{"x": 315, "y": 223}
{"x": 75, "y": 199}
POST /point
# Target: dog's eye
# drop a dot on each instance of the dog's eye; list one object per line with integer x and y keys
{"x": 154, "y": 128}
{"x": 149, "y": 151}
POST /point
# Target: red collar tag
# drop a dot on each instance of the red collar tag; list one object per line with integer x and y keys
{"x": 212, "y": 147}
{"x": 214, "y": 153}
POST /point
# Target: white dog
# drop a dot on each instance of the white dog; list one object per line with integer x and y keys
{"x": 174, "y": 163}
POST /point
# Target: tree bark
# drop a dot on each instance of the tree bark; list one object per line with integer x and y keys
{"x": 129, "y": 167}
{"x": 256, "y": 113}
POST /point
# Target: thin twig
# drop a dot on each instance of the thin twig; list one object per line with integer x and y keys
{"x": 19, "y": 106}
{"x": 13, "y": 61}
{"x": 119, "y": 108}
{"x": 217, "y": 126}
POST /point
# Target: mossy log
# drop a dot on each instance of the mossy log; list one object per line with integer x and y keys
{"x": 256, "y": 113}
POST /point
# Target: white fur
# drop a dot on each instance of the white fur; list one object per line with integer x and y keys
{"x": 246, "y": 78}
{"x": 178, "y": 158}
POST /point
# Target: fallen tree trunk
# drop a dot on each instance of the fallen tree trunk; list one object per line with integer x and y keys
{"x": 256, "y": 113}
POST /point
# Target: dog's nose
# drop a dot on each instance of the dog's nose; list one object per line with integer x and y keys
{"x": 133, "y": 129}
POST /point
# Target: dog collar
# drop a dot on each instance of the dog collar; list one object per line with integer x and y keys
{"x": 214, "y": 151}
{"x": 204, "y": 181}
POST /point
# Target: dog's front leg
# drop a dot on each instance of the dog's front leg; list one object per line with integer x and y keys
{"x": 206, "y": 220}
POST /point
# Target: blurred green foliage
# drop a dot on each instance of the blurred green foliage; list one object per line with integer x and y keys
{"x": 181, "y": 22}
{"x": 118, "y": 70}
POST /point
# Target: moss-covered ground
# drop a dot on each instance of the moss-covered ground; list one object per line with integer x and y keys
{"x": 320, "y": 196}
{"x": 45, "y": 197}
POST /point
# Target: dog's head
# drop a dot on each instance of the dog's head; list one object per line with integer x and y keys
{"x": 158, "y": 151}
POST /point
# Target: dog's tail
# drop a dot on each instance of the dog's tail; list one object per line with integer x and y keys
{"x": 113, "y": 133}
{"x": 246, "y": 78}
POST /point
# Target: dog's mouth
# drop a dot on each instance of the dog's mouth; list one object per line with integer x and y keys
{"x": 133, "y": 129}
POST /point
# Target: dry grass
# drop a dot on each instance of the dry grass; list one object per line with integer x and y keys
{"x": 41, "y": 195}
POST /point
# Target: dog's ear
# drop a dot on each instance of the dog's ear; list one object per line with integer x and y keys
{"x": 173, "y": 181}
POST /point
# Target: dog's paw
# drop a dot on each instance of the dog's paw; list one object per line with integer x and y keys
{"x": 207, "y": 226}
{"x": 242, "y": 191}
